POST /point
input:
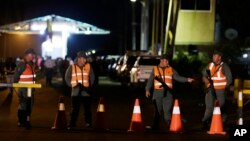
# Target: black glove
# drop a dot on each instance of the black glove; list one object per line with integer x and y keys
{"x": 79, "y": 85}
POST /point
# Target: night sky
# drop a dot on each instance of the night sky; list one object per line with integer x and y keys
{"x": 103, "y": 13}
{"x": 113, "y": 15}
{"x": 235, "y": 14}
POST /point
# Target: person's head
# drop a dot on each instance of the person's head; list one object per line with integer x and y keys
{"x": 164, "y": 60}
{"x": 81, "y": 58}
{"x": 29, "y": 55}
{"x": 217, "y": 57}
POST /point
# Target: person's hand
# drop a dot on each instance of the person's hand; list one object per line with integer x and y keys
{"x": 148, "y": 94}
{"x": 79, "y": 85}
{"x": 190, "y": 80}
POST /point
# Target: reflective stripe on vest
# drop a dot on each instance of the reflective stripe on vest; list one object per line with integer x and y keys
{"x": 80, "y": 76}
{"x": 27, "y": 77}
{"x": 219, "y": 79}
{"x": 168, "y": 75}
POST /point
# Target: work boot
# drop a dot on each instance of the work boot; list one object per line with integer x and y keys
{"x": 168, "y": 123}
{"x": 154, "y": 127}
{"x": 22, "y": 117}
{"x": 88, "y": 125}
{"x": 20, "y": 124}
{"x": 205, "y": 126}
{"x": 71, "y": 126}
{"x": 28, "y": 125}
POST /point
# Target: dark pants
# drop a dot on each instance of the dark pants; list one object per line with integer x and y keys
{"x": 162, "y": 104}
{"x": 49, "y": 75}
{"x": 209, "y": 101}
{"x": 22, "y": 117}
{"x": 25, "y": 105}
{"x": 76, "y": 103}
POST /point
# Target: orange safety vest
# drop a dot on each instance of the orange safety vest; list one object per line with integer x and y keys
{"x": 80, "y": 75}
{"x": 219, "y": 79}
{"x": 167, "y": 78}
{"x": 28, "y": 76}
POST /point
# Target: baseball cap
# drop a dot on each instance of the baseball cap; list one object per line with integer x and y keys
{"x": 81, "y": 54}
{"x": 217, "y": 52}
{"x": 29, "y": 51}
{"x": 164, "y": 56}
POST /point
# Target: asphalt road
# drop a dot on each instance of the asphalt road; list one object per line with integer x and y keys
{"x": 119, "y": 103}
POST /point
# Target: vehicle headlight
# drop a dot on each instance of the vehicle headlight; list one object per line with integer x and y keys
{"x": 133, "y": 70}
{"x": 123, "y": 67}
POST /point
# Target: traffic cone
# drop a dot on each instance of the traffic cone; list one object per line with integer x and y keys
{"x": 100, "y": 123}
{"x": 216, "y": 124}
{"x": 176, "y": 122}
{"x": 136, "y": 121}
{"x": 60, "y": 121}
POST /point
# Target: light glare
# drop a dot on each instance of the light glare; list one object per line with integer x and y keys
{"x": 245, "y": 55}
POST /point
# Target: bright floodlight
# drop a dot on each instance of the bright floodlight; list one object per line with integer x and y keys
{"x": 88, "y": 32}
{"x": 55, "y": 27}
{"x": 244, "y": 55}
{"x": 56, "y": 48}
{"x": 58, "y": 24}
{"x": 93, "y": 51}
{"x": 133, "y": 0}
{"x": 65, "y": 34}
{"x": 41, "y": 32}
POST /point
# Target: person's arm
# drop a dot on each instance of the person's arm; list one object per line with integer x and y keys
{"x": 205, "y": 77}
{"x": 179, "y": 78}
{"x": 68, "y": 76}
{"x": 91, "y": 76}
{"x": 227, "y": 72}
{"x": 18, "y": 71}
{"x": 149, "y": 84}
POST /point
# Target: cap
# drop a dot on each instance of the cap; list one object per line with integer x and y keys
{"x": 29, "y": 51}
{"x": 164, "y": 56}
{"x": 81, "y": 54}
{"x": 218, "y": 52}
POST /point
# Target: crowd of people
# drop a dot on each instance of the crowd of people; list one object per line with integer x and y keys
{"x": 46, "y": 67}
{"x": 77, "y": 74}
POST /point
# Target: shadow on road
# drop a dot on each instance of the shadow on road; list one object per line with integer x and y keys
{"x": 5, "y": 106}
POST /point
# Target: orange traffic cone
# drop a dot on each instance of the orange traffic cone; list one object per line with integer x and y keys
{"x": 176, "y": 123}
{"x": 100, "y": 116}
{"x": 216, "y": 124}
{"x": 136, "y": 121}
{"x": 60, "y": 121}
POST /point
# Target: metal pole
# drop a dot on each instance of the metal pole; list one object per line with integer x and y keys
{"x": 240, "y": 108}
{"x": 157, "y": 26}
{"x": 29, "y": 97}
{"x": 133, "y": 27}
{"x": 28, "y": 107}
{"x": 153, "y": 29}
{"x": 5, "y": 45}
{"x": 162, "y": 25}
{"x": 167, "y": 26}
{"x": 144, "y": 25}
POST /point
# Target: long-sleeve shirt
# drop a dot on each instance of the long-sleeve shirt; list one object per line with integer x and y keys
{"x": 21, "y": 66}
{"x": 176, "y": 77}
{"x": 226, "y": 71}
